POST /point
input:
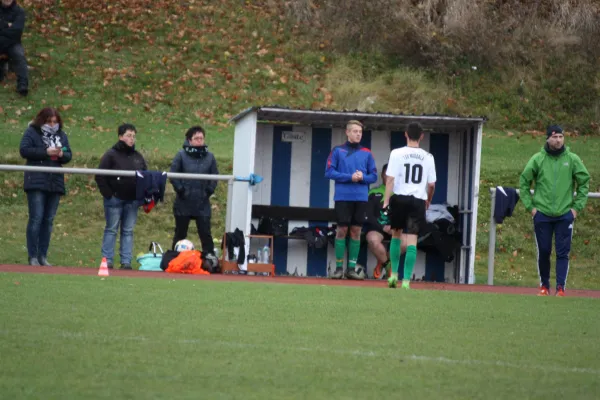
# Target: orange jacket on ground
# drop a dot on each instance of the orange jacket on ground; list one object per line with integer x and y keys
{"x": 187, "y": 262}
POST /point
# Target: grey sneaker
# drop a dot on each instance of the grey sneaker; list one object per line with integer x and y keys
{"x": 352, "y": 274}
{"x": 338, "y": 274}
{"x": 44, "y": 262}
{"x": 33, "y": 261}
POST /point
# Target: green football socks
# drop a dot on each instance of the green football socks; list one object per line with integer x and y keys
{"x": 340, "y": 251}
{"x": 395, "y": 254}
{"x": 353, "y": 253}
{"x": 409, "y": 262}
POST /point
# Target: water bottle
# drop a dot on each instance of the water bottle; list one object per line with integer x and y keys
{"x": 259, "y": 255}
{"x": 266, "y": 254}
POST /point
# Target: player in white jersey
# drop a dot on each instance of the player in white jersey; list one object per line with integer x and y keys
{"x": 411, "y": 172}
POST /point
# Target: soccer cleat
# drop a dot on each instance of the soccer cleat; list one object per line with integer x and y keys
{"x": 352, "y": 274}
{"x": 544, "y": 291}
{"x": 126, "y": 266}
{"x": 405, "y": 284}
{"x": 338, "y": 274}
{"x": 382, "y": 269}
{"x": 393, "y": 282}
{"x": 560, "y": 291}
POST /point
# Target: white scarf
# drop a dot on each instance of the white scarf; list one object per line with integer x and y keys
{"x": 50, "y": 136}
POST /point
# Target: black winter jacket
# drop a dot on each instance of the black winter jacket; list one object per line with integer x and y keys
{"x": 120, "y": 157}
{"x": 33, "y": 149}
{"x": 11, "y": 36}
{"x": 193, "y": 195}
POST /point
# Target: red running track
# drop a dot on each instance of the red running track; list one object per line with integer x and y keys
{"x": 289, "y": 280}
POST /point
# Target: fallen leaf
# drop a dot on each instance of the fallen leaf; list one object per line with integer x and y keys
{"x": 66, "y": 107}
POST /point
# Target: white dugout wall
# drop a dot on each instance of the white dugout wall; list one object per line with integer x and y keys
{"x": 291, "y": 157}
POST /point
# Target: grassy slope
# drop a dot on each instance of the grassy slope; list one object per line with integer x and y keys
{"x": 82, "y": 337}
{"x": 166, "y": 68}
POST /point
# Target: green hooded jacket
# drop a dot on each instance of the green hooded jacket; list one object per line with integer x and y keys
{"x": 555, "y": 178}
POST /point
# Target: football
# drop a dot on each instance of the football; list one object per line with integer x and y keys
{"x": 184, "y": 245}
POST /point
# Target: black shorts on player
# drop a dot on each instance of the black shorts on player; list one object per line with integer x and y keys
{"x": 407, "y": 213}
{"x": 351, "y": 213}
{"x": 376, "y": 228}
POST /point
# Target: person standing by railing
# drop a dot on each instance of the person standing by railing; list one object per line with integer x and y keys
{"x": 193, "y": 196}
{"x": 44, "y": 144}
{"x": 119, "y": 193}
{"x": 555, "y": 171}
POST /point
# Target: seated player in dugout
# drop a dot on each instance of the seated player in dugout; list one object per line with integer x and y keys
{"x": 352, "y": 168}
{"x": 376, "y": 233}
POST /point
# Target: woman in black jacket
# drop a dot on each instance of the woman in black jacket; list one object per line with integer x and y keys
{"x": 44, "y": 144}
{"x": 193, "y": 196}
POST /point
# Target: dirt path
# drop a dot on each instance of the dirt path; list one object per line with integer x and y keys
{"x": 290, "y": 280}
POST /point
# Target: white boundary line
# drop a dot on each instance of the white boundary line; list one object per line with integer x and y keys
{"x": 355, "y": 353}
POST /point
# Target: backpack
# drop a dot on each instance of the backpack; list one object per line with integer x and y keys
{"x": 275, "y": 226}
{"x": 151, "y": 261}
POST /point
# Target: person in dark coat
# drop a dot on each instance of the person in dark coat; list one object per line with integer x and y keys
{"x": 119, "y": 193}
{"x": 12, "y": 24}
{"x": 193, "y": 196}
{"x": 44, "y": 144}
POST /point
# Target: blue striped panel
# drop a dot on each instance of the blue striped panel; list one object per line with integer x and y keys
{"x": 319, "y": 196}
{"x": 362, "y": 254}
{"x": 397, "y": 140}
{"x": 280, "y": 189}
{"x": 439, "y": 145}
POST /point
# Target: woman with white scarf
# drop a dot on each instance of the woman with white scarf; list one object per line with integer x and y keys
{"x": 44, "y": 144}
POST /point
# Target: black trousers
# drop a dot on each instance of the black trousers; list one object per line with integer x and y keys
{"x": 16, "y": 56}
{"x": 203, "y": 224}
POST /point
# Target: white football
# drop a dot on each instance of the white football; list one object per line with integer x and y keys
{"x": 184, "y": 245}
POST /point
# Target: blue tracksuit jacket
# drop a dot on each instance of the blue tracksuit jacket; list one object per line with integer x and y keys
{"x": 345, "y": 160}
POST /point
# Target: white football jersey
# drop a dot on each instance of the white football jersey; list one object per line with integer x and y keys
{"x": 412, "y": 169}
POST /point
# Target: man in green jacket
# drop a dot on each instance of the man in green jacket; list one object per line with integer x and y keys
{"x": 557, "y": 173}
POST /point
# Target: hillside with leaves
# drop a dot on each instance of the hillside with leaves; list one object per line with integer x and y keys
{"x": 167, "y": 62}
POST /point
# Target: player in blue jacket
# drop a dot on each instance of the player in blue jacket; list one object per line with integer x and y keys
{"x": 352, "y": 167}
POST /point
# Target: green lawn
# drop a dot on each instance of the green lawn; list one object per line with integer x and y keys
{"x": 85, "y": 338}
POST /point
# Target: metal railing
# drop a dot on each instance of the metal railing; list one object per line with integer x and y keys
{"x": 492, "y": 234}
{"x": 252, "y": 179}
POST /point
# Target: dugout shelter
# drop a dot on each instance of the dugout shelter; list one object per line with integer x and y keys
{"x": 289, "y": 149}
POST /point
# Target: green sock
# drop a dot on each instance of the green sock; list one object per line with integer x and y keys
{"x": 340, "y": 252}
{"x": 395, "y": 254}
{"x": 409, "y": 262}
{"x": 353, "y": 253}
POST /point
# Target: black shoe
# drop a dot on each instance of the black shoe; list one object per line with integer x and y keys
{"x": 33, "y": 261}
{"x": 109, "y": 265}
{"x": 23, "y": 92}
{"x": 44, "y": 262}
{"x": 126, "y": 266}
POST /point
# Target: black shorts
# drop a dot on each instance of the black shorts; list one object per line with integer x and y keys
{"x": 351, "y": 213}
{"x": 368, "y": 227}
{"x": 407, "y": 213}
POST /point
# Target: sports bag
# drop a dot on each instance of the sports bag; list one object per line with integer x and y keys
{"x": 151, "y": 261}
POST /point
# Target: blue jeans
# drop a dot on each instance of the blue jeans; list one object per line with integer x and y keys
{"x": 42, "y": 209}
{"x": 562, "y": 229}
{"x": 119, "y": 212}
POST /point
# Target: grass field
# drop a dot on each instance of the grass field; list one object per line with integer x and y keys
{"x": 82, "y": 337}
